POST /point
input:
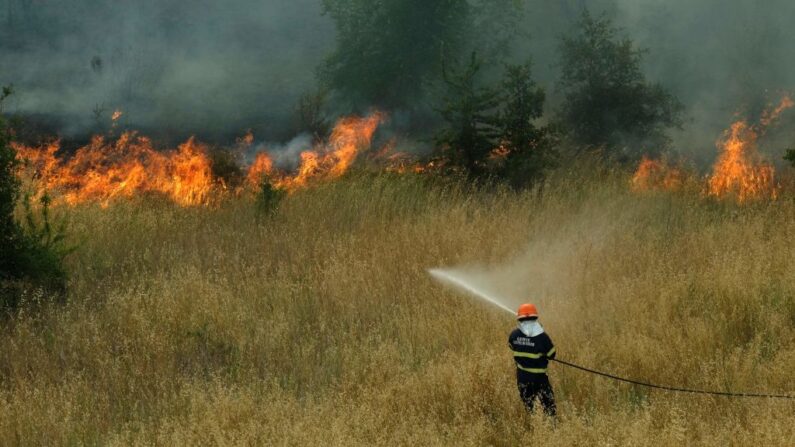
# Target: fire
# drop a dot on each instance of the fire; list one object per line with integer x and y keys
{"x": 116, "y": 115}
{"x": 333, "y": 159}
{"x": 259, "y": 170}
{"x": 657, "y": 175}
{"x": 740, "y": 171}
{"x": 104, "y": 170}
{"x": 326, "y": 161}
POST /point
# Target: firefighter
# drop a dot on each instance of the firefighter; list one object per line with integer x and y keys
{"x": 532, "y": 348}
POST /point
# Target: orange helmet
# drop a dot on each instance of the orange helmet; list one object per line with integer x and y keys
{"x": 526, "y": 310}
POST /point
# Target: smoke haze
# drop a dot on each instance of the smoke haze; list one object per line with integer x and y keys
{"x": 552, "y": 266}
{"x": 204, "y": 67}
{"x": 719, "y": 58}
{"x": 216, "y": 69}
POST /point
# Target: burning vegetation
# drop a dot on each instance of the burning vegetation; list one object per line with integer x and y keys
{"x": 657, "y": 175}
{"x": 105, "y": 170}
{"x": 740, "y": 172}
{"x": 108, "y": 169}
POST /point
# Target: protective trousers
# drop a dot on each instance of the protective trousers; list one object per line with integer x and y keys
{"x": 538, "y": 389}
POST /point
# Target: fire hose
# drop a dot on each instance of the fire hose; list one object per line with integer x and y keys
{"x": 447, "y": 277}
{"x": 670, "y": 388}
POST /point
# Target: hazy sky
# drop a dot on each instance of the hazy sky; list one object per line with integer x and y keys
{"x": 218, "y": 68}
{"x": 201, "y": 66}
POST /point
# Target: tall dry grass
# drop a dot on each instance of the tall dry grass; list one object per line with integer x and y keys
{"x": 319, "y": 325}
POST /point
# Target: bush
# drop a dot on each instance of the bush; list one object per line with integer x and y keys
{"x": 225, "y": 166}
{"x": 269, "y": 197}
{"x": 30, "y": 255}
{"x": 790, "y": 156}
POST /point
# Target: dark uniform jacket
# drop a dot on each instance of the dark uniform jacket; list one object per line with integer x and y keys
{"x": 531, "y": 355}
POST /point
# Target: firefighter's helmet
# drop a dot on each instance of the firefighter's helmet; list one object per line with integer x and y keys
{"x": 526, "y": 310}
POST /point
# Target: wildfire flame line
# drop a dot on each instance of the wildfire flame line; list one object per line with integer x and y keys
{"x": 739, "y": 172}
{"x": 104, "y": 170}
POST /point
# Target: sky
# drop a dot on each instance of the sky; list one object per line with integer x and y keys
{"x": 217, "y": 69}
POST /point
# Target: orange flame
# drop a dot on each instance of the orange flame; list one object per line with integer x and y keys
{"x": 656, "y": 175}
{"x": 103, "y": 170}
{"x": 261, "y": 169}
{"x": 740, "y": 171}
{"x": 324, "y": 162}
{"x": 348, "y": 138}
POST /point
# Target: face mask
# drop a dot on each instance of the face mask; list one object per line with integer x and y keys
{"x": 530, "y": 328}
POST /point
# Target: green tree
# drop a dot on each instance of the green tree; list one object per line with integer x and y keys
{"x": 390, "y": 53}
{"x": 469, "y": 111}
{"x": 388, "y": 50}
{"x": 608, "y": 102}
{"x": 530, "y": 148}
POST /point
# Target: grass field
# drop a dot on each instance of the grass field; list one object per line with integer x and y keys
{"x": 318, "y": 324}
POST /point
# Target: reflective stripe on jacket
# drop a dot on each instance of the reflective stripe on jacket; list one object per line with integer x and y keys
{"x": 531, "y": 354}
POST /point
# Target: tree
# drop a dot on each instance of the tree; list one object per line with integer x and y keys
{"x": 469, "y": 112}
{"x": 529, "y": 148}
{"x": 608, "y": 102}
{"x": 491, "y": 130}
{"x": 390, "y": 53}
{"x": 388, "y": 50}
{"x": 309, "y": 114}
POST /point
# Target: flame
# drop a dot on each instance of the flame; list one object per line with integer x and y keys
{"x": 326, "y": 161}
{"x": 246, "y": 140}
{"x": 116, "y": 115}
{"x": 740, "y": 171}
{"x": 657, "y": 175}
{"x": 499, "y": 153}
{"x": 332, "y": 160}
{"x": 261, "y": 169}
{"x": 103, "y": 170}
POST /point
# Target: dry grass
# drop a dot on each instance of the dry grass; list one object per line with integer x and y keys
{"x": 319, "y": 325}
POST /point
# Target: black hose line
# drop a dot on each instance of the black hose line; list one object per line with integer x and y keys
{"x": 670, "y": 388}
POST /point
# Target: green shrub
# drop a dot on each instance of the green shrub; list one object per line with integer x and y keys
{"x": 31, "y": 254}
{"x": 790, "y": 156}
{"x": 269, "y": 197}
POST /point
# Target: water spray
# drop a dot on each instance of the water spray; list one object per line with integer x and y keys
{"x": 461, "y": 283}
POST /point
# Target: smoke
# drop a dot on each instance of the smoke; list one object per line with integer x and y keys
{"x": 553, "y": 264}
{"x": 210, "y": 68}
{"x": 719, "y": 58}
{"x": 216, "y": 69}
{"x": 285, "y": 156}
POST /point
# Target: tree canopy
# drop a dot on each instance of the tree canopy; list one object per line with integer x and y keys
{"x": 390, "y": 53}
{"x": 608, "y": 102}
{"x": 388, "y": 50}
